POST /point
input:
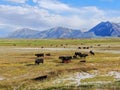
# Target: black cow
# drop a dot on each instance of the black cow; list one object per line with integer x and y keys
{"x": 37, "y": 61}
{"x": 61, "y": 57}
{"x": 77, "y": 53}
{"x": 61, "y": 45}
{"x": 42, "y": 47}
{"x": 84, "y": 47}
{"x": 48, "y": 54}
{"x": 91, "y": 52}
{"x": 65, "y": 59}
{"x": 74, "y": 56}
{"x": 99, "y": 45}
{"x": 82, "y": 60}
{"x": 40, "y": 55}
{"x": 68, "y": 57}
{"x": 87, "y": 47}
{"x": 81, "y": 55}
{"x": 79, "y": 47}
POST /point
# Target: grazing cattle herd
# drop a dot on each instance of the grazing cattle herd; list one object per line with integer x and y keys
{"x": 65, "y": 59}
{"x": 83, "y": 47}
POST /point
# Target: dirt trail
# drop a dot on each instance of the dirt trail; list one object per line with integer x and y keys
{"x": 1, "y": 78}
{"x": 60, "y": 49}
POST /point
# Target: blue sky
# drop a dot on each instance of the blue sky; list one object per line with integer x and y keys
{"x": 103, "y": 4}
{"x": 44, "y": 14}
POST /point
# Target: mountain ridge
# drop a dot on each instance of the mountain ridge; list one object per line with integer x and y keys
{"x": 22, "y": 33}
{"x": 56, "y": 32}
{"x": 103, "y": 29}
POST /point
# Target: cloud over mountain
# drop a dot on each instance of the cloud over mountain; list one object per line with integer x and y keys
{"x": 44, "y": 14}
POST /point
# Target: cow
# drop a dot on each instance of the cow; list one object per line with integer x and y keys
{"x": 40, "y": 55}
{"x": 61, "y": 45}
{"x": 51, "y": 45}
{"x": 91, "y": 52}
{"x": 61, "y": 57}
{"x": 87, "y": 47}
{"x": 77, "y": 53}
{"x": 99, "y": 45}
{"x": 82, "y": 60}
{"x": 65, "y": 59}
{"x": 68, "y": 57}
{"x": 37, "y": 61}
{"x": 79, "y": 47}
{"x": 81, "y": 55}
{"x": 74, "y": 56}
{"x": 84, "y": 47}
{"x": 48, "y": 54}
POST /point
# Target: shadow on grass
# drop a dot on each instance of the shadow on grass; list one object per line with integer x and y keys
{"x": 30, "y": 65}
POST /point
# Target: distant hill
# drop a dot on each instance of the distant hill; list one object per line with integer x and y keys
{"x": 23, "y": 33}
{"x": 57, "y": 32}
{"x": 106, "y": 29}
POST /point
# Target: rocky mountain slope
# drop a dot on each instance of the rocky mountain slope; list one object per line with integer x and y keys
{"x": 106, "y": 29}
{"x": 57, "y": 32}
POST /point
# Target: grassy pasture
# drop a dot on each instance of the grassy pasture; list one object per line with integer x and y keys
{"x": 18, "y": 70}
{"x": 48, "y": 42}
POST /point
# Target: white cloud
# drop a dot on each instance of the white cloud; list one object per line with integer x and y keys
{"x": 22, "y": 16}
{"x": 17, "y": 1}
{"x": 35, "y": 1}
{"x": 56, "y": 6}
{"x": 52, "y": 13}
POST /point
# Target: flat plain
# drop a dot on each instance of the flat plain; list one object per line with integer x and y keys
{"x": 100, "y": 71}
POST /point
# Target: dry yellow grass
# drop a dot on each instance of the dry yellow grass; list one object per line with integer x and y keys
{"x": 18, "y": 69}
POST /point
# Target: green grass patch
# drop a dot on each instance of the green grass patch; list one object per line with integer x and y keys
{"x": 54, "y": 42}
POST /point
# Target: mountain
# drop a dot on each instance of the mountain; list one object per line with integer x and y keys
{"x": 57, "y": 32}
{"x": 103, "y": 29}
{"x": 23, "y": 33}
{"x": 106, "y": 29}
